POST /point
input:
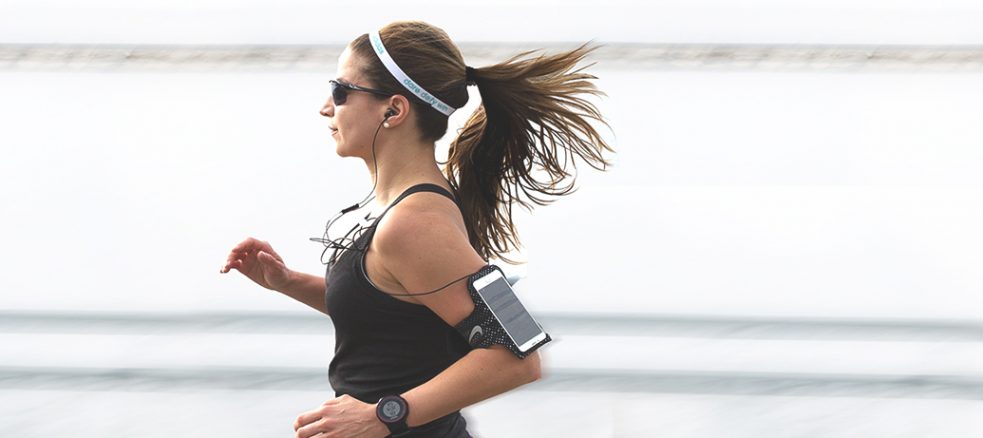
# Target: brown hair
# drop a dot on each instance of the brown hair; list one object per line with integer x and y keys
{"x": 530, "y": 114}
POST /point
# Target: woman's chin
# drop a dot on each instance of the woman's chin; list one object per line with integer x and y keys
{"x": 342, "y": 151}
{"x": 339, "y": 148}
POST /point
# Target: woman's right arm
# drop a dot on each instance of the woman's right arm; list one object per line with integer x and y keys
{"x": 306, "y": 288}
{"x": 258, "y": 261}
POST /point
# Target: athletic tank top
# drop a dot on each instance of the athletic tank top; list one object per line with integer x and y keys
{"x": 384, "y": 345}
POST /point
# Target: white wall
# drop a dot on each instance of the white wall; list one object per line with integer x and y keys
{"x": 795, "y": 194}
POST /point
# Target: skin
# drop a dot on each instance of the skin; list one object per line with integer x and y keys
{"x": 420, "y": 244}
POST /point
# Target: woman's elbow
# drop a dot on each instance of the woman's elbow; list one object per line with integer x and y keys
{"x": 533, "y": 367}
{"x": 524, "y": 370}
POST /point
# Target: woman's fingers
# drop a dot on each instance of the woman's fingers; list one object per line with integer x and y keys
{"x": 307, "y": 418}
{"x": 234, "y": 264}
{"x": 237, "y": 261}
{"x": 247, "y": 250}
{"x": 249, "y": 245}
{"x": 239, "y": 255}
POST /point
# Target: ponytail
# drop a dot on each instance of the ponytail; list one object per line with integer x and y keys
{"x": 530, "y": 116}
{"x": 532, "y": 119}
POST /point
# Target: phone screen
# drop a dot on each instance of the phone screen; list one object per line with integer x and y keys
{"x": 503, "y": 303}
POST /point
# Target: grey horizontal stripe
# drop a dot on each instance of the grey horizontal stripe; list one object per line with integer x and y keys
{"x": 881, "y": 330}
{"x": 163, "y": 379}
{"x": 163, "y": 323}
{"x": 786, "y": 384}
{"x": 871, "y": 329}
{"x": 609, "y": 55}
{"x": 315, "y": 379}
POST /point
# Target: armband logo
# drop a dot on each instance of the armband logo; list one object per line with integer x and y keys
{"x": 475, "y": 331}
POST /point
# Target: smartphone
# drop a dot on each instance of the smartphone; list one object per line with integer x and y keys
{"x": 519, "y": 325}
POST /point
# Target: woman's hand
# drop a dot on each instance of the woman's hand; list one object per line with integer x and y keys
{"x": 257, "y": 260}
{"x": 344, "y": 416}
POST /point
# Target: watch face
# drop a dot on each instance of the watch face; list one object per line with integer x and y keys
{"x": 392, "y": 410}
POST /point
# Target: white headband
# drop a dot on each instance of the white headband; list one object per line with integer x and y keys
{"x": 402, "y": 78}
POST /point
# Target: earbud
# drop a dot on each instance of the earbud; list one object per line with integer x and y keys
{"x": 389, "y": 113}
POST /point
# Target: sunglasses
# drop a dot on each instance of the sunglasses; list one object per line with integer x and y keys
{"x": 339, "y": 91}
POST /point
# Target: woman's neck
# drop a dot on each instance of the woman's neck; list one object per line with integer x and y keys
{"x": 401, "y": 171}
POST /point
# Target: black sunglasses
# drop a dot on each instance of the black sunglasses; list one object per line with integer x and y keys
{"x": 339, "y": 91}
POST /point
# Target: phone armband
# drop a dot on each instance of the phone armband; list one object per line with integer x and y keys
{"x": 482, "y": 329}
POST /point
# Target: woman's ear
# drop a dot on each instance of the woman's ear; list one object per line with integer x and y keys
{"x": 399, "y": 108}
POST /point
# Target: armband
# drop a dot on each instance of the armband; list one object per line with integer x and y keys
{"x": 482, "y": 329}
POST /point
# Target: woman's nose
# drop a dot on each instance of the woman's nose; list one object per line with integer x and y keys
{"x": 328, "y": 109}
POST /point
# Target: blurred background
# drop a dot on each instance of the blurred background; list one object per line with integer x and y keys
{"x": 787, "y": 245}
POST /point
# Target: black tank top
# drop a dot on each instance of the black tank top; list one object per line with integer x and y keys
{"x": 384, "y": 345}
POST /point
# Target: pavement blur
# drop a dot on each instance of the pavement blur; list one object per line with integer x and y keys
{"x": 181, "y": 375}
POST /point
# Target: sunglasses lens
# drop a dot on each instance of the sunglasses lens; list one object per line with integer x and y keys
{"x": 338, "y": 93}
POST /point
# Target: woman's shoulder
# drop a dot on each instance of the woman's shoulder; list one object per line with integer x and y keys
{"x": 422, "y": 212}
{"x": 427, "y": 225}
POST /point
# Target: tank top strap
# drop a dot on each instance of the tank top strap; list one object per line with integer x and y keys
{"x": 422, "y": 187}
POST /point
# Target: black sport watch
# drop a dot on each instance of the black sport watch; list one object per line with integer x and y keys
{"x": 392, "y": 410}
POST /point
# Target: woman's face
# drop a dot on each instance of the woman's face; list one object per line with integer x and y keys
{"x": 354, "y": 122}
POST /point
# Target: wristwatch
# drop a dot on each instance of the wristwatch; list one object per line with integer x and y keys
{"x": 392, "y": 410}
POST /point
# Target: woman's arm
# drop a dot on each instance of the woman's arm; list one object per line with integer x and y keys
{"x": 481, "y": 374}
{"x": 257, "y": 260}
{"x": 306, "y": 288}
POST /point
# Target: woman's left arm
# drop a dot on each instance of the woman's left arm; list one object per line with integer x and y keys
{"x": 481, "y": 374}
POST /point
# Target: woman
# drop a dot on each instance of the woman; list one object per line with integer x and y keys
{"x": 395, "y": 292}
